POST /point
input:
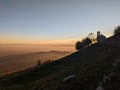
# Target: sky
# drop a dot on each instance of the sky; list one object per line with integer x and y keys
{"x": 56, "y": 21}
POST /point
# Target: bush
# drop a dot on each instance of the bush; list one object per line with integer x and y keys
{"x": 84, "y": 43}
{"x": 87, "y": 42}
{"x": 38, "y": 62}
{"x": 117, "y": 30}
{"x": 78, "y": 45}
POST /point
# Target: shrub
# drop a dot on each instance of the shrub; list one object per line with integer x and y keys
{"x": 117, "y": 30}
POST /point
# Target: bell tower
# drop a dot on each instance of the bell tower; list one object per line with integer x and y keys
{"x": 98, "y": 33}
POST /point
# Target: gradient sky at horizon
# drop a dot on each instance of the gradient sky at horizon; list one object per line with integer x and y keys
{"x": 56, "y": 21}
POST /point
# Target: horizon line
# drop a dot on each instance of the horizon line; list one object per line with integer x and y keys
{"x": 37, "y": 44}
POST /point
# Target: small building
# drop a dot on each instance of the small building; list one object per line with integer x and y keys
{"x": 100, "y": 38}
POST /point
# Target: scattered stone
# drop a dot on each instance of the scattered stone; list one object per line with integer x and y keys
{"x": 100, "y": 84}
{"x": 105, "y": 77}
{"x": 108, "y": 76}
{"x": 111, "y": 74}
{"x": 68, "y": 78}
{"x": 100, "y": 88}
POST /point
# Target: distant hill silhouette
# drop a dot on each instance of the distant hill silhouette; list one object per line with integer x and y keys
{"x": 88, "y": 66}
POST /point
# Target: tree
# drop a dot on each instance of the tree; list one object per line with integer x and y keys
{"x": 87, "y": 42}
{"x": 117, "y": 30}
{"x": 78, "y": 45}
{"x": 92, "y": 37}
{"x": 84, "y": 43}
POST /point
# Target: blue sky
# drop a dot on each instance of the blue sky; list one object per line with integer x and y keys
{"x": 36, "y": 21}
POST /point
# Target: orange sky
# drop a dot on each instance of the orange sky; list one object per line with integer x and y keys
{"x": 56, "y": 21}
{"x": 69, "y": 41}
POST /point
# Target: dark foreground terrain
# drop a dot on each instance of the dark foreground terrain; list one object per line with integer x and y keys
{"x": 88, "y": 67}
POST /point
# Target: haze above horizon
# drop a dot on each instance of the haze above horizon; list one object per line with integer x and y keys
{"x": 56, "y": 21}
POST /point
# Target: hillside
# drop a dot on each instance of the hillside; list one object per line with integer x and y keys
{"x": 89, "y": 66}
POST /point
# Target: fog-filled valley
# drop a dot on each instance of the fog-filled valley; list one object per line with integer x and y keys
{"x": 18, "y": 57}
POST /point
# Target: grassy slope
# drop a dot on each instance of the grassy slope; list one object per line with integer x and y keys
{"x": 89, "y": 66}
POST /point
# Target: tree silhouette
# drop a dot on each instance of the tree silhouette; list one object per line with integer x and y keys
{"x": 117, "y": 30}
{"x": 92, "y": 37}
{"x": 78, "y": 45}
{"x": 84, "y": 43}
{"x": 87, "y": 41}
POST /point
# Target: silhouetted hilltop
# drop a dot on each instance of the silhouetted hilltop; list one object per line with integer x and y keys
{"x": 88, "y": 69}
